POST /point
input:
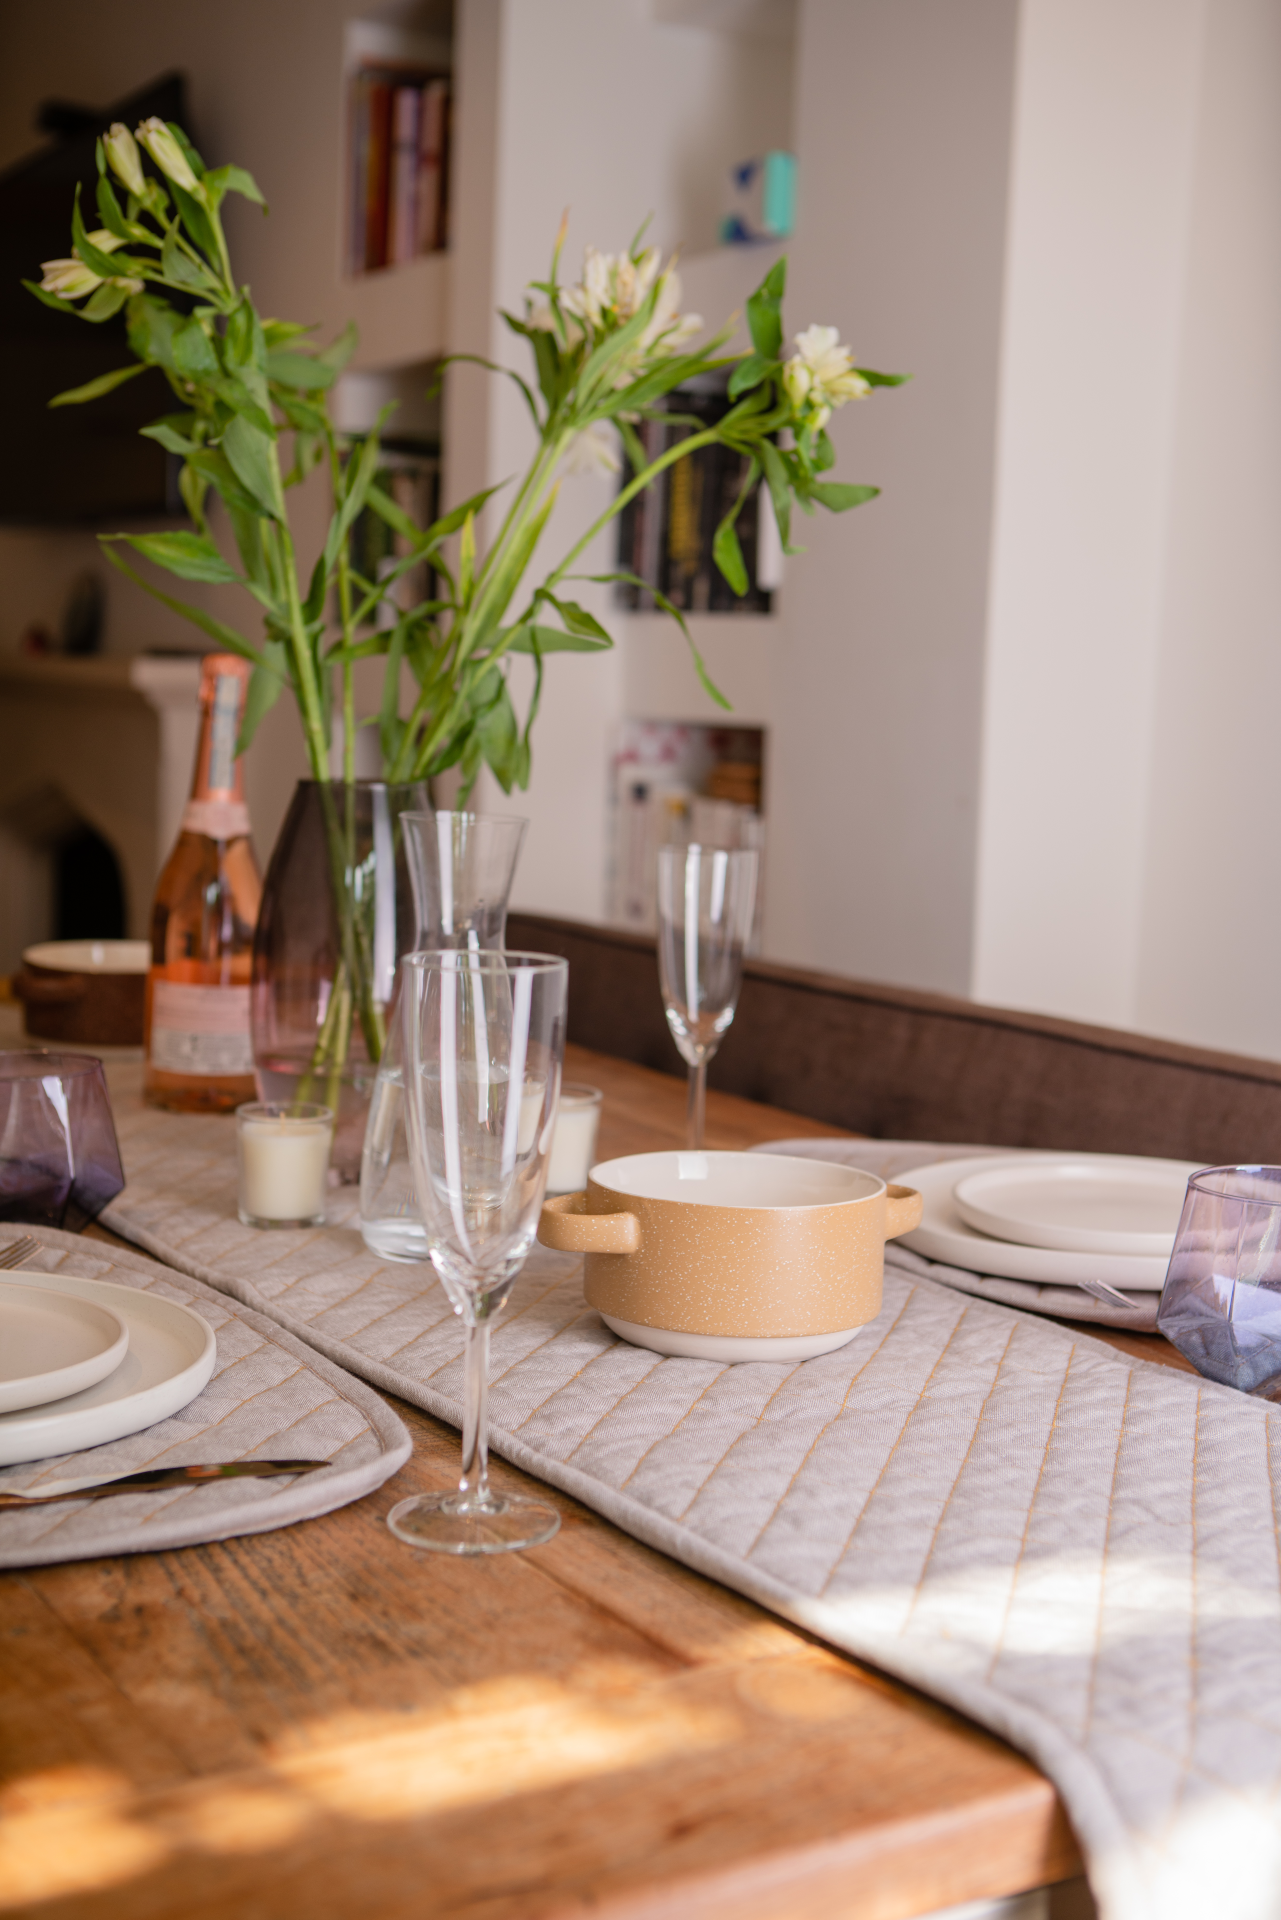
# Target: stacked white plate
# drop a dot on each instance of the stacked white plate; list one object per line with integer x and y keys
{"x": 1057, "y": 1219}
{"x": 83, "y": 1362}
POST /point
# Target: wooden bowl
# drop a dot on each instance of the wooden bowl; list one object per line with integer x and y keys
{"x": 85, "y": 992}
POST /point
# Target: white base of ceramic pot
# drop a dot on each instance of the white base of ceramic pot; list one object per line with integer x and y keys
{"x": 723, "y": 1347}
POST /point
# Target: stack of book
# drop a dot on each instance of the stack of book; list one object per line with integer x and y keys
{"x": 399, "y": 121}
{"x": 665, "y": 534}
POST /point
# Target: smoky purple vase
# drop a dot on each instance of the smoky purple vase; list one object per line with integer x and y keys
{"x": 59, "y": 1158}
{"x": 1221, "y": 1302}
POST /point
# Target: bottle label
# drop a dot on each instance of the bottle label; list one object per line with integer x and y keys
{"x": 200, "y": 1030}
{"x": 219, "y": 819}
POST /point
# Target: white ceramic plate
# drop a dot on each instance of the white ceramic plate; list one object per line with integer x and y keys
{"x": 1078, "y": 1205}
{"x": 171, "y": 1356}
{"x": 53, "y": 1344}
{"x": 944, "y": 1235}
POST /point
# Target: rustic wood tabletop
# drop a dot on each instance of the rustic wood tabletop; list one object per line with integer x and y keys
{"x": 321, "y": 1721}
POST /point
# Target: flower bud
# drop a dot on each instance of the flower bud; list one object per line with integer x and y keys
{"x": 123, "y": 157}
{"x": 104, "y": 240}
{"x": 155, "y": 136}
{"x": 68, "y": 279}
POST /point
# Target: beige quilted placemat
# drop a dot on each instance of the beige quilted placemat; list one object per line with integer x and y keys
{"x": 1077, "y": 1549}
{"x": 270, "y": 1397}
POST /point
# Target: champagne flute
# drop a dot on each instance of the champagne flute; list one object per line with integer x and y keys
{"x": 484, "y": 1036}
{"x": 705, "y": 901}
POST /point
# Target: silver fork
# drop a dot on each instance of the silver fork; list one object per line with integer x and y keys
{"x": 20, "y": 1250}
{"x": 1102, "y": 1291}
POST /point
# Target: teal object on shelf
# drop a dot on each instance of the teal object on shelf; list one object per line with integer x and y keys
{"x": 764, "y": 200}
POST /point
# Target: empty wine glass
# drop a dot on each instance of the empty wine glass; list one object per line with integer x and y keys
{"x": 484, "y": 1037}
{"x": 705, "y": 901}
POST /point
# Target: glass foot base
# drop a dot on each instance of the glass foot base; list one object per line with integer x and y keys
{"x": 436, "y": 1522}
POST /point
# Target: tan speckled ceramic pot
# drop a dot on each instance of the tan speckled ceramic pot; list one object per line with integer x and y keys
{"x": 732, "y": 1256}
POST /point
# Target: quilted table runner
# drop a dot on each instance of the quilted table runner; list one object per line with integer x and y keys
{"x": 1077, "y": 1549}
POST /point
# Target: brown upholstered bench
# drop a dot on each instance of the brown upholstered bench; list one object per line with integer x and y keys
{"x": 922, "y": 1066}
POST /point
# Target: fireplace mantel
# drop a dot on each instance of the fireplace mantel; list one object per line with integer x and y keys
{"x": 107, "y": 739}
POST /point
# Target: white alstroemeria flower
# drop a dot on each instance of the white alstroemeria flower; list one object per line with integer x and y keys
{"x": 594, "y": 450}
{"x": 68, "y": 279}
{"x": 542, "y": 317}
{"x": 123, "y": 157}
{"x": 821, "y": 375}
{"x": 669, "y": 329}
{"x": 104, "y": 240}
{"x": 613, "y": 287}
{"x": 155, "y": 136}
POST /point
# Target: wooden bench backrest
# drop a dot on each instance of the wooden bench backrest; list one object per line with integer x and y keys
{"x": 896, "y": 1064}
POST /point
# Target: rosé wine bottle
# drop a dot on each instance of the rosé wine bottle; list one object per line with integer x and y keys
{"x": 199, "y": 1053}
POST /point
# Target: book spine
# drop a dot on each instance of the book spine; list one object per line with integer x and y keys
{"x": 377, "y": 174}
{"x": 357, "y": 169}
{"x": 402, "y": 223}
{"x": 431, "y": 158}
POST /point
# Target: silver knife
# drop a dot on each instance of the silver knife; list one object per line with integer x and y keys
{"x": 153, "y": 1479}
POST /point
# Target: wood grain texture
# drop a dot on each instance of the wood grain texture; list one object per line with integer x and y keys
{"x": 321, "y": 1720}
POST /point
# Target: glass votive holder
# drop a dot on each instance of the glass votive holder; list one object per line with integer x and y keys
{"x": 574, "y": 1141}
{"x": 282, "y": 1155}
{"x": 1221, "y": 1303}
{"x": 59, "y": 1159}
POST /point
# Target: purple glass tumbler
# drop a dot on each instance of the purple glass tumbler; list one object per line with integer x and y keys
{"x": 1221, "y": 1302}
{"x": 59, "y": 1160}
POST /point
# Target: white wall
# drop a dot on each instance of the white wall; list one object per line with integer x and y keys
{"x": 1104, "y": 145}
{"x": 903, "y": 110}
{"x": 1211, "y": 895}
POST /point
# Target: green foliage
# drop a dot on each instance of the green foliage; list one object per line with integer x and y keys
{"x": 611, "y": 349}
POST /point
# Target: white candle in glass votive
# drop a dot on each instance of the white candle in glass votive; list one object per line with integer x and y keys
{"x": 284, "y": 1162}
{"x": 574, "y": 1142}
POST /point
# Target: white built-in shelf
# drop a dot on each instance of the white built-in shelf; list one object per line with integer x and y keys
{"x": 717, "y": 284}
{"x": 401, "y": 312}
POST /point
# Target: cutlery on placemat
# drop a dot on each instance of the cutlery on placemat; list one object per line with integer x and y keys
{"x": 20, "y": 1250}
{"x": 1102, "y": 1291}
{"x": 152, "y": 1480}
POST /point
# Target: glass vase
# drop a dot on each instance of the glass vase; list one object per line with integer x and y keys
{"x": 461, "y": 867}
{"x": 336, "y": 916}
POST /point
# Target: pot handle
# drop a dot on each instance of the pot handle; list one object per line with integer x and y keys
{"x": 37, "y": 991}
{"x": 566, "y": 1225}
{"x": 903, "y": 1209}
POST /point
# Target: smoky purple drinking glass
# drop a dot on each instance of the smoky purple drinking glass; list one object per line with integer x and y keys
{"x": 1221, "y": 1302}
{"x": 59, "y": 1159}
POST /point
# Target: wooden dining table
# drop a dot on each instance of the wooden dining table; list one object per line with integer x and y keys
{"x": 322, "y": 1722}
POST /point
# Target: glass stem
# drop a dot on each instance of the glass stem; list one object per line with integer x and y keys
{"x": 473, "y": 1487}
{"x": 697, "y": 1111}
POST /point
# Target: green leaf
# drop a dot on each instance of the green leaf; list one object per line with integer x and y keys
{"x": 750, "y": 371}
{"x": 467, "y": 559}
{"x": 498, "y": 735}
{"x": 195, "y": 219}
{"x": 194, "y": 354}
{"x": 190, "y": 555}
{"x": 179, "y": 268}
{"x": 221, "y": 180}
{"x": 152, "y": 325}
{"x": 197, "y": 164}
{"x": 266, "y": 684}
{"x": 824, "y": 452}
{"x": 169, "y": 433}
{"x": 277, "y": 333}
{"x": 300, "y": 370}
{"x": 765, "y": 312}
{"x": 358, "y": 478}
{"x": 728, "y": 554}
{"x": 528, "y": 638}
{"x": 106, "y": 264}
{"x": 339, "y": 351}
{"x": 875, "y": 379}
{"x": 776, "y": 479}
{"x": 212, "y": 465}
{"x": 224, "y": 635}
{"x": 250, "y": 454}
{"x": 94, "y": 389}
{"x": 673, "y": 612}
{"x": 49, "y": 299}
{"x": 576, "y": 618}
{"x": 109, "y": 207}
{"x": 390, "y": 725}
{"x": 104, "y": 303}
{"x": 838, "y": 496}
